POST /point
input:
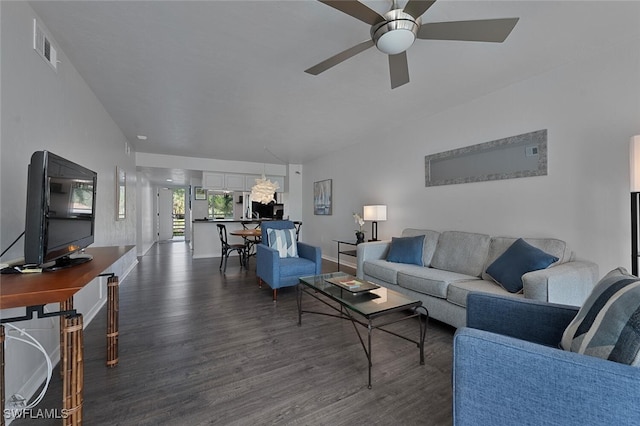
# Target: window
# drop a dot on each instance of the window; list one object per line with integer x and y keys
{"x": 82, "y": 197}
{"x": 220, "y": 205}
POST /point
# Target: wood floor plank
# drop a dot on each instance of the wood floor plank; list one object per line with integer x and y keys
{"x": 200, "y": 347}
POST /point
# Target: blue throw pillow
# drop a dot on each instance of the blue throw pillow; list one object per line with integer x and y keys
{"x": 520, "y": 258}
{"x": 406, "y": 250}
{"x": 283, "y": 240}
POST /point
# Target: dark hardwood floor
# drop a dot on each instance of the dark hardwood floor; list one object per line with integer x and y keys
{"x": 199, "y": 347}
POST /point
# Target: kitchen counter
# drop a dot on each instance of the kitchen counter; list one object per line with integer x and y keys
{"x": 230, "y": 220}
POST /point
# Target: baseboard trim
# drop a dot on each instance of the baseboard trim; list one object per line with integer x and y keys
{"x": 335, "y": 260}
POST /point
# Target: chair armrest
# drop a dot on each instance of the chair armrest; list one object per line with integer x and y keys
{"x": 312, "y": 253}
{"x": 530, "y": 320}
{"x": 568, "y": 283}
{"x": 502, "y": 380}
{"x": 267, "y": 263}
{"x": 374, "y": 250}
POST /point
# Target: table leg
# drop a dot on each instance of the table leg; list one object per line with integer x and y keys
{"x": 67, "y": 305}
{"x": 113, "y": 306}
{"x": 423, "y": 330}
{"x": 247, "y": 253}
{"x": 72, "y": 370}
{"x": 370, "y": 355}
{"x": 2, "y": 372}
{"x": 299, "y": 302}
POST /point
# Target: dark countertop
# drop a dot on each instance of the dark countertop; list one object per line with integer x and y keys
{"x": 230, "y": 220}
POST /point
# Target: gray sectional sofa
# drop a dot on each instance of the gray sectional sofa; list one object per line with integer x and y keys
{"x": 454, "y": 263}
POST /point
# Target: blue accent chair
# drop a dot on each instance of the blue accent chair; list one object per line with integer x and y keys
{"x": 508, "y": 370}
{"x": 284, "y": 272}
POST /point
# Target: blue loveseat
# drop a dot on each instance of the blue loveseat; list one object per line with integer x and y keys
{"x": 508, "y": 370}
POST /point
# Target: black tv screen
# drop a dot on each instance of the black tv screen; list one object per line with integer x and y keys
{"x": 61, "y": 201}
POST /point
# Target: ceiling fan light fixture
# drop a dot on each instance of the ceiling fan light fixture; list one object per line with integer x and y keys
{"x": 396, "y": 41}
{"x": 397, "y": 33}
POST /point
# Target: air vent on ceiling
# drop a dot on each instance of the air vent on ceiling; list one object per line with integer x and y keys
{"x": 42, "y": 45}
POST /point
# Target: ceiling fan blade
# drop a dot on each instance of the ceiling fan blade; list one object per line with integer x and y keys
{"x": 356, "y": 9}
{"x": 491, "y": 30}
{"x": 416, "y": 8}
{"x": 340, "y": 57}
{"x": 399, "y": 69}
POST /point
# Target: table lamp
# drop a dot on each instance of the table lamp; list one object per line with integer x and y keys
{"x": 374, "y": 213}
{"x": 634, "y": 166}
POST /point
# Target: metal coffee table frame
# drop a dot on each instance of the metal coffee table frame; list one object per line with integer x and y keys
{"x": 345, "y": 309}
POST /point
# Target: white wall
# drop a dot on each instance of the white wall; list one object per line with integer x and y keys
{"x": 145, "y": 214}
{"x": 43, "y": 109}
{"x": 293, "y": 196}
{"x": 591, "y": 109}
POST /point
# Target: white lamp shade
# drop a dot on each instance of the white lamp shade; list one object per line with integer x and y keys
{"x": 377, "y": 212}
{"x": 634, "y": 163}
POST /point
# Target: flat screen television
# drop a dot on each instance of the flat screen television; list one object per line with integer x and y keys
{"x": 61, "y": 206}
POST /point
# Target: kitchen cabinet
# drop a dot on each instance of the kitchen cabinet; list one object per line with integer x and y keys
{"x": 279, "y": 180}
{"x": 234, "y": 182}
{"x": 250, "y": 181}
{"x": 211, "y": 180}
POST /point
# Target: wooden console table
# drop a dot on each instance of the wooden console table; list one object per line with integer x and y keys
{"x": 34, "y": 291}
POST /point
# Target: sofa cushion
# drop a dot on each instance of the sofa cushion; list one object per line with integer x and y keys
{"x": 430, "y": 242}
{"x": 457, "y": 292}
{"x": 554, "y": 247}
{"x": 284, "y": 241}
{"x": 406, "y": 250}
{"x": 382, "y": 270}
{"x": 508, "y": 269}
{"x": 462, "y": 252}
{"x": 608, "y": 324}
{"x": 433, "y": 282}
{"x": 296, "y": 267}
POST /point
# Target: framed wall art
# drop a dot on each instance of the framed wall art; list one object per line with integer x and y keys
{"x": 322, "y": 197}
{"x": 201, "y": 193}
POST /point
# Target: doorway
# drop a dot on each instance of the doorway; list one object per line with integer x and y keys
{"x": 178, "y": 213}
{"x": 171, "y": 214}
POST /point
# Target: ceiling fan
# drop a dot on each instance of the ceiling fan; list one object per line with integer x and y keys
{"x": 395, "y": 31}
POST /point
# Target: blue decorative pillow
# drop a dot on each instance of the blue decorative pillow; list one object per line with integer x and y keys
{"x": 283, "y": 240}
{"x": 520, "y": 258}
{"x": 406, "y": 250}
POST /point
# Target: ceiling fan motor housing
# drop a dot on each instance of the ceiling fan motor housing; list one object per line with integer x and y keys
{"x": 397, "y": 33}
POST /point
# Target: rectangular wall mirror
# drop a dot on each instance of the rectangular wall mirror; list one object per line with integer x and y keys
{"x": 121, "y": 194}
{"x": 509, "y": 158}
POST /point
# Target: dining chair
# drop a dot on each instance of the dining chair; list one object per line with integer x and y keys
{"x": 297, "y": 224}
{"x": 229, "y": 248}
{"x": 250, "y": 224}
{"x": 250, "y": 242}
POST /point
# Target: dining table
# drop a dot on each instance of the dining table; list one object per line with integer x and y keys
{"x": 251, "y": 237}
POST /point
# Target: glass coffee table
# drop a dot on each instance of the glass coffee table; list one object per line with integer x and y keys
{"x": 365, "y": 304}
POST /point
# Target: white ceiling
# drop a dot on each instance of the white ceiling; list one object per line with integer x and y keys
{"x": 225, "y": 80}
